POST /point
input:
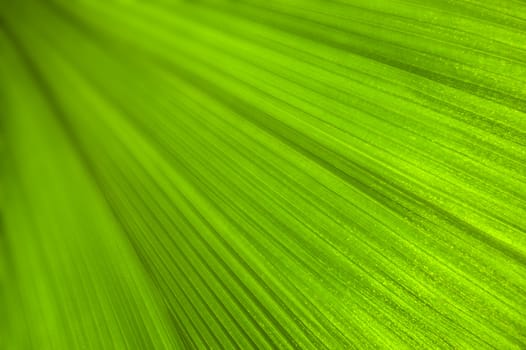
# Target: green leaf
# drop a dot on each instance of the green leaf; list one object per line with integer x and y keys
{"x": 263, "y": 174}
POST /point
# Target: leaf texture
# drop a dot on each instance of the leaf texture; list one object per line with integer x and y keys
{"x": 217, "y": 174}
